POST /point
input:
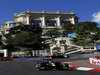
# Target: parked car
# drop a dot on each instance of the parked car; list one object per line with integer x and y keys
{"x": 50, "y": 65}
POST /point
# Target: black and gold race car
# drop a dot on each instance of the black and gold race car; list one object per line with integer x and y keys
{"x": 50, "y": 65}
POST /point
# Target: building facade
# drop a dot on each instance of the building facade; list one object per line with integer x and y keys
{"x": 9, "y": 24}
{"x": 43, "y": 19}
{"x": 46, "y": 20}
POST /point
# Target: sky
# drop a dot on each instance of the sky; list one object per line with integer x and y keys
{"x": 86, "y": 10}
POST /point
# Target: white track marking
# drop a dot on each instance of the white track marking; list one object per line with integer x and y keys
{"x": 84, "y": 68}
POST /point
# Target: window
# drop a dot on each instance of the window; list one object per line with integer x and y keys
{"x": 62, "y": 41}
{"x": 50, "y": 23}
{"x": 36, "y": 22}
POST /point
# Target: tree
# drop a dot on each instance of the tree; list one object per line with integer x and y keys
{"x": 97, "y": 36}
{"x": 1, "y": 40}
{"x": 53, "y": 33}
{"x": 67, "y": 28}
{"x": 24, "y": 36}
{"x": 86, "y": 27}
{"x": 85, "y": 32}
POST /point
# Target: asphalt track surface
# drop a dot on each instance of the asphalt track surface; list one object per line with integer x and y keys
{"x": 25, "y": 66}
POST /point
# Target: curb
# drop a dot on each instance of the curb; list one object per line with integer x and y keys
{"x": 79, "y": 68}
{"x": 96, "y": 70}
{"x": 87, "y": 69}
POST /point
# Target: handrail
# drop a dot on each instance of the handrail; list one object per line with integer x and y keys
{"x": 73, "y": 52}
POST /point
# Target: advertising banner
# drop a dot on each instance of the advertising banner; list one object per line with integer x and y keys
{"x": 98, "y": 47}
{"x": 94, "y": 61}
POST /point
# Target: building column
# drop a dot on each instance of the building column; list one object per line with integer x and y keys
{"x": 5, "y": 53}
{"x": 43, "y": 22}
{"x": 51, "y": 52}
{"x": 51, "y": 49}
{"x": 62, "y": 49}
{"x": 27, "y": 20}
{"x": 58, "y": 22}
{"x": 72, "y": 20}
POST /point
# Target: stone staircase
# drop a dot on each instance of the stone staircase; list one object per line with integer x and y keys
{"x": 72, "y": 49}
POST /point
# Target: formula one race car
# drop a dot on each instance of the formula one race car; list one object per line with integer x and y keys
{"x": 50, "y": 65}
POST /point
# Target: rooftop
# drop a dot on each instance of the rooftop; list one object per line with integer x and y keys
{"x": 43, "y": 12}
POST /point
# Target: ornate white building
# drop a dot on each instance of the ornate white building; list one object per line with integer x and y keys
{"x": 46, "y": 20}
{"x": 43, "y": 19}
